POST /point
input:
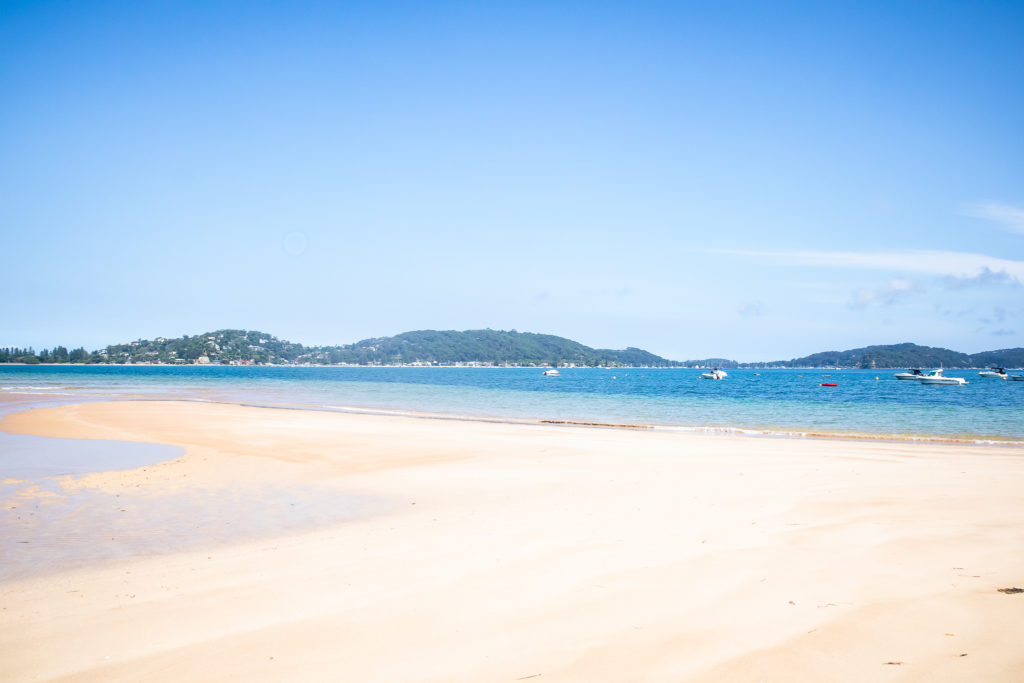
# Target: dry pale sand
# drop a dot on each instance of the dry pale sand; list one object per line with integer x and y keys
{"x": 499, "y": 552}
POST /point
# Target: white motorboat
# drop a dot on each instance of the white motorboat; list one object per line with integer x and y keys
{"x": 936, "y": 377}
{"x": 994, "y": 373}
{"x": 912, "y": 374}
{"x": 552, "y": 373}
{"x": 717, "y": 373}
{"x": 1017, "y": 378}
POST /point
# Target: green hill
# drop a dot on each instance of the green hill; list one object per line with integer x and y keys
{"x": 428, "y": 347}
{"x": 883, "y": 356}
{"x": 483, "y": 347}
{"x": 1003, "y": 358}
{"x": 906, "y": 356}
{"x": 494, "y": 347}
{"x": 886, "y": 356}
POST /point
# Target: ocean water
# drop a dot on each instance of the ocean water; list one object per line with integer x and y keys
{"x": 789, "y": 402}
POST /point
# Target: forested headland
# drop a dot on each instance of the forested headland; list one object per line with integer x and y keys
{"x": 424, "y": 347}
{"x": 474, "y": 347}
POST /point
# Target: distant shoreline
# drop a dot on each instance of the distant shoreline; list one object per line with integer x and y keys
{"x": 488, "y": 347}
{"x": 491, "y": 367}
{"x": 857, "y": 404}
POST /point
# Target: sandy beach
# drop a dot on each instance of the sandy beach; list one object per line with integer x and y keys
{"x": 303, "y": 545}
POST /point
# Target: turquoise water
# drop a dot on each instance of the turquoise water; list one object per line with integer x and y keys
{"x": 772, "y": 401}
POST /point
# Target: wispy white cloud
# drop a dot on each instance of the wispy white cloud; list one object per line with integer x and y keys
{"x": 750, "y": 309}
{"x": 892, "y": 292}
{"x": 940, "y": 263}
{"x": 1010, "y": 217}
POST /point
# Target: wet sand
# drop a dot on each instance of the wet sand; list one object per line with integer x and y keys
{"x": 487, "y": 551}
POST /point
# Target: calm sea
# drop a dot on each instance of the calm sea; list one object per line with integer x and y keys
{"x": 864, "y": 402}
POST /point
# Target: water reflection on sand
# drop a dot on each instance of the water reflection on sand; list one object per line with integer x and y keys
{"x": 51, "y": 521}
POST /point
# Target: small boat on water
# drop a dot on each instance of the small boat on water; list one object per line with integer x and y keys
{"x": 912, "y": 374}
{"x": 717, "y": 373}
{"x": 936, "y": 377}
{"x": 994, "y": 373}
{"x": 552, "y": 372}
{"x": 1017, "y": 378}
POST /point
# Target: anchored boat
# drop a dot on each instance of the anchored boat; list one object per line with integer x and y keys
{"x": 936, "y": 377}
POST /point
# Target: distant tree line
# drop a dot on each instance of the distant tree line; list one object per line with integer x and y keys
{"x": 908, "y": 355}
{"x": 486, "y": 347}
{"x": 428, "y": 347}
{"x": 58, "y": 354}
{"x": 885, "y": 356}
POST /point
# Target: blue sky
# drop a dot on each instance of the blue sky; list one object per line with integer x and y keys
{"x": 750, "y": 180}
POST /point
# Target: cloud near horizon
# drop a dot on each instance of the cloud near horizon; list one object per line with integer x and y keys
{"x": 941, "y": 263}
